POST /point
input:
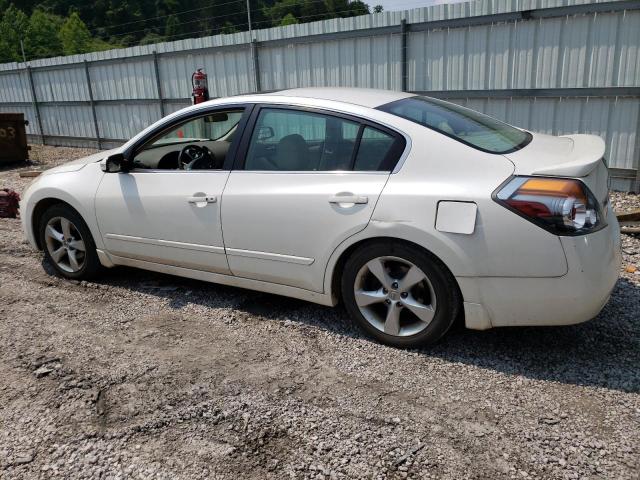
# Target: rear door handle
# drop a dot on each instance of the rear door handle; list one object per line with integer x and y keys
{"x": 207, "y": 199}
{"x": 355, "y": 199}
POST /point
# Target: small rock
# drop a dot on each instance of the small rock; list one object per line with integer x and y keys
{"x": 43, "y": 361}
{"x": 549, "y": 420}
{"x": 43, "y": 371}
{"x": 23, "y": 459}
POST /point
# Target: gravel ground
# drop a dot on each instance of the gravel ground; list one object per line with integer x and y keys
{"x": 142, "y": 375}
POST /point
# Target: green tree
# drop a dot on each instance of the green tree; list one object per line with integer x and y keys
{"x": 378, "y": 9}
{"x": 121, "y": 23}
{"x": 124, "y": 41}
{"x": 313, "y": 10}
{"x": 99, "y": 45}
{"x": 228, "y": 27}
{"x": 42, "y": 35}
{"x": 345, "y": 8}
{"x": 6, "y": 52}
{"x": 75, "y": 36}
{"x": 288, "y": 20}
{"x": 13, "y": 28}
{"x": 294, "y": 8}
{"x": 150, "y": 38}
{"x": 172, "y": 26}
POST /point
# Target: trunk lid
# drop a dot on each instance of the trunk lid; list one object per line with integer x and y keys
{"x": 575, "y": 156}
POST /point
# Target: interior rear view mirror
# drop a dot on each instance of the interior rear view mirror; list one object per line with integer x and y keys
{"x": 113, "y": 163}
{"x": 216, "y": 117}
{"x": 265, "y": 133}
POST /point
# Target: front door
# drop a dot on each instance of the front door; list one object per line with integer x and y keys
{"x": 167, "y": 208}
{"x": 309, "y": 180}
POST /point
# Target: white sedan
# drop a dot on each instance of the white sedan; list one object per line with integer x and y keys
{"x": 410, "y": 210}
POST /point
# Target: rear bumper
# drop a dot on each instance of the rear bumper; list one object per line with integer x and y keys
{"x": 594, "y": 266}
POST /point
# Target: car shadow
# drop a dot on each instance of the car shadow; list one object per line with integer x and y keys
{"x": 604, "y": 352}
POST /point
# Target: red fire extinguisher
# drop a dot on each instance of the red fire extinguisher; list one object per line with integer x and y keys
{"x": 199, "y": 83}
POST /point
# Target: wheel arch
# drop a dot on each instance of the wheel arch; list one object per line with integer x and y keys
{"x": 336, "y": 269}
{"x": 38, "y": 211}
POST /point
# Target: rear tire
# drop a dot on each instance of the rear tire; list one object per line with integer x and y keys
{"x": 67, "y": 243}
{"x": 399, "y": 294}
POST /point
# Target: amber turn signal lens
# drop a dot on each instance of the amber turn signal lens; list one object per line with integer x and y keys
{"x": 552, "y": 186}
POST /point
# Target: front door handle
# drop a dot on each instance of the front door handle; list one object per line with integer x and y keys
{"x": 207, "y": 199}
{"x": 354, "y": 199}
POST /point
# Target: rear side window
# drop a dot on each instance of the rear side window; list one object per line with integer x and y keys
{"x": 467, "y": 126}
{"x": 373, "y": 150}
{"x": 287, "y": 139}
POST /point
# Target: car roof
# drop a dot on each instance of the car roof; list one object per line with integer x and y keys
{"x": 366, "y": 97}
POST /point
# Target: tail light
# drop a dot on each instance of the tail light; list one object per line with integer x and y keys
{"x": 563, "y": 206}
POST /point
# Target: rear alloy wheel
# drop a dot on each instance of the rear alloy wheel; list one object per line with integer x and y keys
{"x": 387, "y": 288}
{"x": 67, "y": 243}
{"x": 399, "y": 295}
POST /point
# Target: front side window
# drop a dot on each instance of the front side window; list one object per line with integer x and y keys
{"x": 292, "y": 140}
{"x": 467, "y": 126}
{"x": 201, "y": 143}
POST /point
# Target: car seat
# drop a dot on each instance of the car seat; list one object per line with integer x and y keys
{"x": 291, "y": 153}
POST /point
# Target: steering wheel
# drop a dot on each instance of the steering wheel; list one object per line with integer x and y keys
{"x": 195, "y": 157}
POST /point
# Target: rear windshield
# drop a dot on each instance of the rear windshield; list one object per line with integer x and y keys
{"x": 467, "y": 126}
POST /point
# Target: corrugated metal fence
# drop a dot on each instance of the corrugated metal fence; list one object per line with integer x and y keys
{"x": 553, "y": 66}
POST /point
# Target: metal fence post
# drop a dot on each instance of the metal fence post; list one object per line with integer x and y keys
{"x": 636, "y": 153}
{"x": 93, "y": 104}
{"x": 34, "y": 101}
{"x": 158, "y": 84}
{"x": 403, "y": 54}
{"x": 256, "y": 64}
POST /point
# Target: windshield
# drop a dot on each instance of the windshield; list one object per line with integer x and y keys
{"x": 467, "y": 126}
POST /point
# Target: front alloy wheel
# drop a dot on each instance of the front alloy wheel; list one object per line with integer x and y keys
{"x": 65, "y": 244}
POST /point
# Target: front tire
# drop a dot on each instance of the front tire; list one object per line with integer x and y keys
{"x": 399, "y": 294}
{"x": 67, "y": 243}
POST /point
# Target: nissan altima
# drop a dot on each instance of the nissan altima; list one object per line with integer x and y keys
{"x": 411, "y": 211}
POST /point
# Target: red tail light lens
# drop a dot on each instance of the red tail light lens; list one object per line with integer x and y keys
{"x": 562, "y": 206}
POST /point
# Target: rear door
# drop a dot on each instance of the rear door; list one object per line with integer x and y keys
{"x": 306, "y": 180}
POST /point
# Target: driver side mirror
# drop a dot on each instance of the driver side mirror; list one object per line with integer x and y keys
{"x": 113, "y": 163}
{"x": 265, "y": 133}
